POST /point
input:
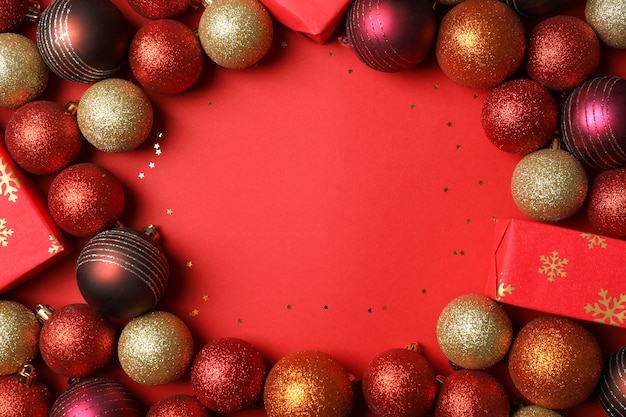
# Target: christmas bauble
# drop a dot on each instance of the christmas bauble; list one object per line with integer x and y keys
{"x": 96, "y": 397}
{"x": 399, "y": 383}
{"x": 23, "y": 74}
{"x": 75, "y": 340}
{"x": 42, "y": 137}
{"x": 178, "y": 405}
{"x": 593, "y": 122}
{"x": 308, "y": 383}
{"x": 391, "y": 35}
{"x": 474, "y": 331}
{"x": 12, "y": 13}
{"x": 555, "y": 362}
{"x": 535, "y": 8}
{"x": 19, "y": 336}
{"x": 83, "y": 40}
{"x": 606, "y": 204}
{"x": 165, "y": 56}
{"x": 228, "y": 375}
{"x": 115, "y": 115}
{"x": 612, "y": 385}
{"x": 23, "y": 395}
{"x": 449, "y": 2}
{"x": 122, "y": 272}
{"x": 236, "y": 33}
{"x": 496, "y": 50}
{"x": 549, "y": 185}
{"x": 608, "y": 20}
{"x": 155, "y": 348}
{"x": 471, "y": 393}
{"x": 535, "y": 411}
{"x": 164, "y": 9}
{"x": 85, "y": 198}
{"x": 563, "y": 51}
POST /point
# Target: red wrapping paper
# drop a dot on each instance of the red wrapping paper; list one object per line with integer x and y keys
{"x": 559, "y": 271}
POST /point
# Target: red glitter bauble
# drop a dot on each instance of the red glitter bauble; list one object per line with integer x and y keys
{"x": 23, "y": 395}
{"x": 606, "y": 203}
{"x": 85, "y": 199}
{"x": 612, "y": 384}
{"x": 75, "y": 340}
{"x": 391, "y": 35}
{"x": 228, "y": 375}
{"x": 12, "y": 13}
{"x": 42, "y": 137}
{"x": 469, "y": 393}
{"x": 166, "y": 56}
{"x": 563, "y": 51}
{"x": 178, "y": 405}
{"x": 519, "y": 116}
{"x": 535, "y": 8}
{"x": 399, "y": 383}
{"x": 162, "y": 9}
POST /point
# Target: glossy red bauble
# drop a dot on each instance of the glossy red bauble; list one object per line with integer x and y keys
{"x": 468, "y": 393}
{"x": 606, "y": 203}
{"x": 162, "y": 9}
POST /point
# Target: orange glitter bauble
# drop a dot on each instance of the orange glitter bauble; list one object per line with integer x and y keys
{"x": 480, "y": 43}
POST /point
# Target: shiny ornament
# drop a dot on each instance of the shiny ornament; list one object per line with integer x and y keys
{"x": 156, "y": 348}
{"x": 228, "y": 375}
{"x": 12, "y": 13}
{"x": 535, "y": 8}
{"x": 122, "y": 272}
{"x": 471, "y": 393}
{"x": 480, "y": 43}
{"x": 115, "y": 115}
{"x": 42, "y": 137}
{"x": 535, "y": 411}
{"x": 449, "y": 2}
{"x": 75, "y": 340}
{"x": 399, "y": 383}
{"x": 519, "y": 116}
{"x": 96, "y": 397}
{"x": 474, "y": 331}
{"x": 165, "y": 56}
{"x": 178, "y": 405}
{"x": 555, "y": 362}
{"x": 612, "y": 385}
{"x": 391, "y": 35}
{"x": 549, "y": 185}
{"x": 23, "y": 74}
{"x": 83, "y": 40}
{"x": 308, "y": 383}
{"x": 85, "y": 198}
{"x": 593, "y": 122}
{"x": 19, "y": 336}
{"x": 606, "y": 203}
{"x": 236, "y": 33}
{"x": 608, "y": 20}
{"x": 563, "y": 51}
{"x": 22, "y": 395}
{"x": 163, "y": 9}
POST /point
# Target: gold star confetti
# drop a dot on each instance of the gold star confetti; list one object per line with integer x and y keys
{"x": 169, "y": 211}
{"x": 194, "y": 312}
{"x": 331, "y": 53}
{"x": 160, "y": 135}
{"x": 475, "y": 96}
{"x": 369, "y": 310}
{"x": 156, "y": 145}
{"x": 494, "y": 218}
{"x": 468, "y": 221}
{"x": 412, "y": 105}
{"x": 141, "y": 175}
{"x": 445, "y": 189}
{"x": 151, "y": 165}
{"x": 449, "y": 124}
{"x": 289, "y": 307}
{"x": 384, "y": 307}
{"x": 350, "y": 70}
{"x": 424, "y": 291}
{"x": 436, "y": 86}
{"x": 205, "y": 298}
{"x": 283, "y": 44}
{"x": 189, "y": 264}
{"x": 158, "y": 152}
{"x": 210, "y": 103}
{"x": 480, "y": 182}
{"x": 239, "y": 321}
{"x": 458, "y": 146}
{"x": 326, "y": 307}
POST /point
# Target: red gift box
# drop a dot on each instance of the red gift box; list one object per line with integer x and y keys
{"x": 559, "y": 271}
{"x": 29, "y": 239}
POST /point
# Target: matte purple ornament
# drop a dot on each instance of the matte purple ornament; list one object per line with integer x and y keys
{"x": 593, "y": 122}
{"x": 535, "y": 8}
{"x": 612, "y": 386}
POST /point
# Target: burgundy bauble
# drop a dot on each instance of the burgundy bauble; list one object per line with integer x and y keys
{"x": 612, "y": 385}
{"x": 83, "y": 40}
{"x": 593, "y": 122}
{"x": 563, "y": 51}
{"x": 178, "y": 405}
{"x": 470, "y": 393}
{"x": 606, "y": 203}
{"x": 12, "y": 13}
{"x": 42, "y": 137}
{"x": 228, "y": 375}
{"x": 166, "y": 56}
{"x": 391, "y": 35}
{"x": 535, "y": 8}
{"x": 23, "y": 395}
{"x": 163, "y": 9}
{"x": 519, "y": 116}
{"x": 399, "y": 383}
{"x": 75, "y": 340}
{"x": 85, "y": 198}
{"x": 96, "y": 397}
{"x": 122, "y": 272}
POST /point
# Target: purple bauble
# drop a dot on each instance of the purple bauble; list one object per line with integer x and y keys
{"x": 612, "y": 386}
{"x": 535, "y": 8}
{"x": 593, "y": 122}
{"x": 391, "y": 35}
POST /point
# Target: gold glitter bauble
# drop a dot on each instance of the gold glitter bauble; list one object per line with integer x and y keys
{"x": 549, "y": 185}
{"x": 23, "y": 73}
{"x": 608, "y": 20}
{"x": 555, "y": 362}
{"x": 19, "y": 336}
{"x": 474, "y": 331}
{"x": 115, "y": 115}
{"x": 235, "y": 33}
{"x": 156, "y": 348}
{"x": 308, "y": 384}
{"x": 535, "y": 411}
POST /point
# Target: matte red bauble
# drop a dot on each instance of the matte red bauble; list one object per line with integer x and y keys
{"x": 399, "y": 383}
{"x": 391, "y": 35}
{"x": 469, "y": 393}
{"x": 22, "y": 395}
{"x": 83, "y": 40}
{"x": 42, "y": 137}
{"x": 12, "y": 13}
{"x": 178, "y": 405}
{"x": 163, "y": 9}
{"x": 23, "y": 74}
{"x": 122, "y": 272}
{"x": 563, "y": 51}
{"x": 165, "y": 56}
{"x": 606, "y": 204}
{"x": 593, "y": 122}
{"x": 19, "y": 336}
{"x": 228, "y": 375}
{"x": 496, "y": 50}
{"x": 612, "y": 386}
{"x": 85, "y": 198}
{"x": 535, "y": 8}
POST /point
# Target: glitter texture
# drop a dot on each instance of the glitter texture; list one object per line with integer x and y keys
{"x": 606, "y": 205}
{"x": 535, "y": 411}
{"x": 178, "y": 405}
{"x": 471, "y": 393}
{"x": 608, "y": 20}
{"x": 19, "y": 336}
{"x": 20, "y": 400}
{"x": 160, "y": 9}
{"x": 612, "y": 386}
{"x": 12, "y": 13}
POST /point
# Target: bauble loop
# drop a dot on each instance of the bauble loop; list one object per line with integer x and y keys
{"x": 24, "y": 396}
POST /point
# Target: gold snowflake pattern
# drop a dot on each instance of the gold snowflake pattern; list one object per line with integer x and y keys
{"x": 553, "y": 266}
{"x": 9, "y": 183}
{"x": 503, "y": 290}
{"x": 608, "y": 310}
{"x": 55, "y": 245}
{"x": 594, "y": 240}
{"x": 5, "y": 233}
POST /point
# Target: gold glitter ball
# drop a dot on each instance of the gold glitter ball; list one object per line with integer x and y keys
{"x": 608, "y": 20}
{"x": 19, "y": 336}
{"x": 535, "y": 411}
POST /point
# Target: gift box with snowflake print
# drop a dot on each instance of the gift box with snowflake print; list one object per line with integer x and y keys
{"x": 559, "y": 271}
